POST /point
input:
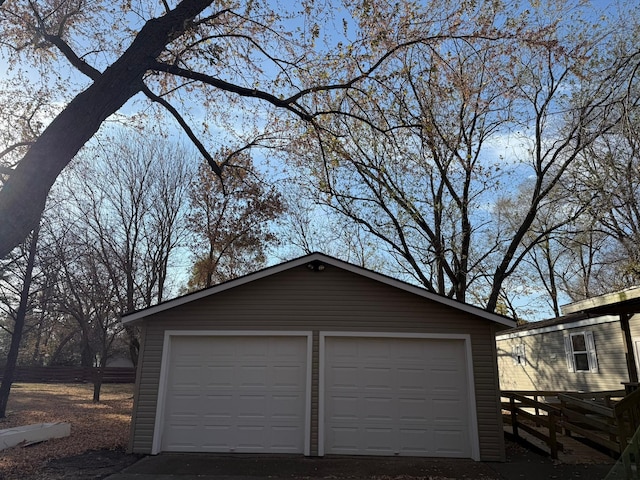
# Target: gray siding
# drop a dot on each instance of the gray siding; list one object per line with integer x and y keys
{"x": 331, "y": 300}
{"x": 546, "y": 365}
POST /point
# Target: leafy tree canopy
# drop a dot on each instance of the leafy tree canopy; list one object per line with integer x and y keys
{"x": 74, "y": 64}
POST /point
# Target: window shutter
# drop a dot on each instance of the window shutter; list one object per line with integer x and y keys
{"x": 568, "y": 351}
{"x": 591, "y": 349}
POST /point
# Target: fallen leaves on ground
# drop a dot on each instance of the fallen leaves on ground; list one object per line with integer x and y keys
{"x": 94, "y": 426}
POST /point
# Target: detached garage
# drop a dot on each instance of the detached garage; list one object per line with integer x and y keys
{"x": 318, "y": 357}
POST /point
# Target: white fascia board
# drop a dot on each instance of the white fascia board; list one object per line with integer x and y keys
{"x": 319, "y": 257}
{"x": 587, "y": 322}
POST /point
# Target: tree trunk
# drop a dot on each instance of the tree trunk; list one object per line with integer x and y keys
{"x": 553, "y": 288}
{"x": 16, "y": 337}
{"x": 36, "y": 356}
{"x": 97, "y": 384}
{"x": 23, "y": 196}
{"x": 86, "y": 352}
{"x": 98, "y": 374}
{"x": 134, "y": 344}
{"x": 55, "y": 358}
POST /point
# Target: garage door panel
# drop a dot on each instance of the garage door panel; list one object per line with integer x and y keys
{"x": 343, "y": 408}
{"x": 448, "y": 410}
{"x": 252, "y": 376}
{"x": 287, "y": 376}
{"x": 414, "y": 439}
{"x": 448, "y": 441}
{"x": 281, "y": 435}
{"x": 252, "y": 406}
{"x": 411, "y": 379}
{"x": 411, "y": 352}
{"x": 344, "y": 439}
{"x": 343, "y": 376}
{"x": 341, "y": 349}
{"x": 373, "y": 351}
{"x": 413, "y": 409}
{"x": 286, "y": 407}
{"x": 218, "y": 376}
{"x": 187, "y": 376}
{"x": 219, "y": 405}
{"x": 446, "y": 381}
{"x": 377, "y": 409}
{"x": 223, "y": 350}
{"x": 376, "y": 378}
{"x": 183, "y": 438}
{"x": 185, "y": 404}
{"x": 404, "y": 397}
{"x": 290, "y": 351}
{"x": 248, "y": 394}
{"x": 378, "y": 440}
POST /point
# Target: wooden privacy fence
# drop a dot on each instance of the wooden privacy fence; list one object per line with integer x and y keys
{"x": 73, "y": 374}
{"x": 606, "y": 419}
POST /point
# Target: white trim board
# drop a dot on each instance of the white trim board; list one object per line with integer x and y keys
{"x": 164, "y": 375}
{"x": 473, "y": 417}
{"x": 587, "y": 322}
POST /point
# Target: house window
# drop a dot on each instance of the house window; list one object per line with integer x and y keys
{"x": 518, "y": 355}
{"x": 580, "y": 349}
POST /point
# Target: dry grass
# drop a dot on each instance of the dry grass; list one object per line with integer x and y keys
{"x": 93, "y": 426}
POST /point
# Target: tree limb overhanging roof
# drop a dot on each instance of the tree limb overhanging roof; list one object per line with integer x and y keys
{"x": 138, "y": 315}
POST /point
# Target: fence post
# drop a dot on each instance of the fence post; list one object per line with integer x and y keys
{"x": 553, "y": 440}
{"x": 622, "y": 430}
{"x": 563, "y": 408}
{"x": 514, "y": 418}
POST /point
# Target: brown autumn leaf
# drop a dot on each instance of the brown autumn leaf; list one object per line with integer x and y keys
{"x": 104, "y": 425}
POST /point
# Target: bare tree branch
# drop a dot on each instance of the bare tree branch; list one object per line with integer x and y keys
{"x": 187, "y": 129}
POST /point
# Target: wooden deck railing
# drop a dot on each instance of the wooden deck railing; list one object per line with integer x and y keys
{"x": 593, "y": 420}
{"x": 608, "y": 419}
{"x": 520, "y": 407}
{"x": 627, "y": 414}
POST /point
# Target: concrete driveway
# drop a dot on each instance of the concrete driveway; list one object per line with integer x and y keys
{"x": 523, "y": 465}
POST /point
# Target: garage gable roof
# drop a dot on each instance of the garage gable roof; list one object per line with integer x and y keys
{"x": 314, "y": 260}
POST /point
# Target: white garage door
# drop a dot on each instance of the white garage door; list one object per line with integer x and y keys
{"x": 396, "y": 396}
{"x": 242, "y": 394}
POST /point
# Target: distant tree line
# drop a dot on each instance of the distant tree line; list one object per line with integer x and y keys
{"x": 131, "y": 223}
